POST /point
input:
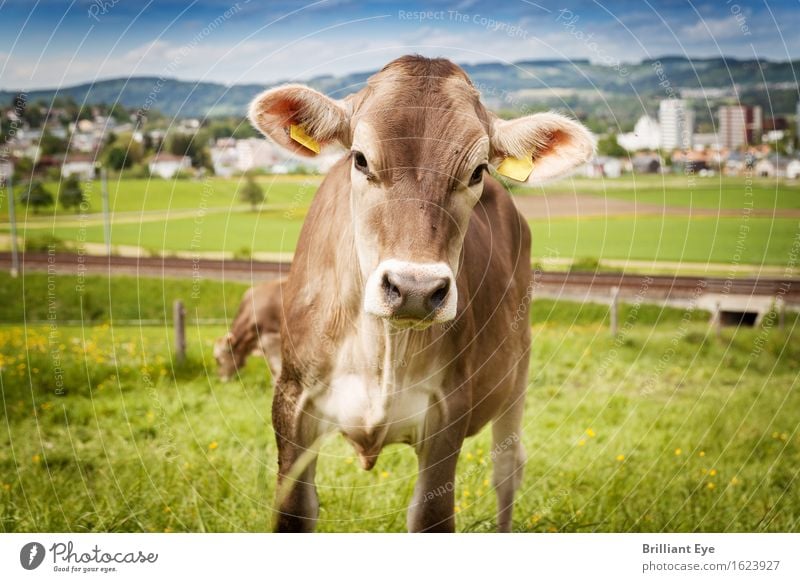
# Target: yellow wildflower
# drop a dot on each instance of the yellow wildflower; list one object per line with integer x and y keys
{"x": 678, "y": 452}
{"x": 590, "y": 433}
{"x": 620, "y": 458}
{"x": 213, "y": 446}
{"x": 710, "y": 485}
{"x": 712, "y": 472}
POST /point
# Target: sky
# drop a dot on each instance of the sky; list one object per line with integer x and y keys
{"x": 49, "y": 43}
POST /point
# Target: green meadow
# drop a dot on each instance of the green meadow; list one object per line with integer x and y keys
{"x": 714, "y": 219}
{"x": 664, "y": 428}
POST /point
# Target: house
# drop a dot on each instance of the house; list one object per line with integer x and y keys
{"x": 167, "y": 165}
{"x": 738, "y": 163}
{"x": 603, "y": 167}
{"x": 82, "y": 165}
{"x": 646, "y": 164}
{"x": 793, "y": 170}
{"x": 773, "y": 166}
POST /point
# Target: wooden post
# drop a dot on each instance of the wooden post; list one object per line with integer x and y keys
{"x": 12, "y": 219}
{"x": 179, "y": 321}
{"x": 718, "y": 320}
{"x": 614, "y": 310}
{"x": 106, "y": 216}
{"x": 780, "y": 307}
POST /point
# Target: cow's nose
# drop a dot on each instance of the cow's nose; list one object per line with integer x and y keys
{"x": 414, "y": 296}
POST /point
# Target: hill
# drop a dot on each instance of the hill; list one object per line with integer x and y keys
{"x": 579, "y": 85}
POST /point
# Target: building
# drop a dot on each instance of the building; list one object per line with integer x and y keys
{"x": 676, "y": 120}
{"x": 603, "y": 167}
{"x": 646, "y": 164}
{"x": 739, "y": 125}
{"x": 797, "y": 120}
{"x": 646, "y": 135}
{"x": 82, "y": 165}
{"x": 232, "y": 156}
{"x": 772, "y": 166}
{"x": 793, "y": 170}
{"x": 254, "y": 153}
{"x": 167, "y": 165}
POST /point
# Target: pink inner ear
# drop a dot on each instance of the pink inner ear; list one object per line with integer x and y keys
{"x": 552, "y": 142}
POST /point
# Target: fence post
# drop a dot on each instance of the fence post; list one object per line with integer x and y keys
{"x": 106, "y": 216}
{"x": 179, "y": 322}
{"x": 614, "y": 310}
{"x": 780, "y": 307}
{"x": 7, "y": 174}
{"x": 718, "y": 320}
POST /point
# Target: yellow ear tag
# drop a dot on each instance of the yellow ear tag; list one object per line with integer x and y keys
{"x": 299, "y": 135}
{"x": 518, "y": 169}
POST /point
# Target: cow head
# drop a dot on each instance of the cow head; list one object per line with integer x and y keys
{"x": 420, "y": 144}
{"x": 228, "y": 361}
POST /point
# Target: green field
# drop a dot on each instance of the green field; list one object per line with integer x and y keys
{"x": 715, "y": 192}
{"x": 205, "y": 216}
{"x": 665, "y": 428}
{"x": 127, "y": 195}
{"x": 668, "y": 238}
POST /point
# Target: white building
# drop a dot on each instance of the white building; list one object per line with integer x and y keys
{"x": 230, "y": 156}
{"x": 82, "y": 165}
{"x": 676, "y": 119}
{"x": 773, "y": 166}
{"x": 793, "y": 170}
{"x": 603, "y": 167}
{"x": 646, "y": 135}
{"x": 167, "y": 165}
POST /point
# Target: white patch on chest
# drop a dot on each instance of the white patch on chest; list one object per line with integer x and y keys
{"x": 379, "y": 393}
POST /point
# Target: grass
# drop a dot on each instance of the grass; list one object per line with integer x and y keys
{"x": 142, "y": 195}
{"x": 205, "y": 216}
{"x": 715, "y": 192}
{"x": 664, "y": 428}
{"x": 97, "y": 299}
{"x": 753, "y": 241}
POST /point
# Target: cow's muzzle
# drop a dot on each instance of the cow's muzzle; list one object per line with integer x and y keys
{"x": 411, "y": 293}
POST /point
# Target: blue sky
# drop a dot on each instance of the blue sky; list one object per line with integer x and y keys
{"x": 48, "y": 43}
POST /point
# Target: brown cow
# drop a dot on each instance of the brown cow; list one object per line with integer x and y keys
{"x": 411, "y": 267}
{"x": 255, "y": 330}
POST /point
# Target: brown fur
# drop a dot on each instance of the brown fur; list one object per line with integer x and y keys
{"x": 429, "y": 123}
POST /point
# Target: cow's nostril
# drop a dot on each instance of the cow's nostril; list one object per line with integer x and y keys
{"x": 439, "y": 295}
{"x": 391, "y": 290}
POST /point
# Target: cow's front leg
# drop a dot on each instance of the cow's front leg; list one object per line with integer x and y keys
{"x": 295, "y": 493}
{"x": 432, "y": 506}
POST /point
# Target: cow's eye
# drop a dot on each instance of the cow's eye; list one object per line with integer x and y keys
{"x": 360, "y": 162}
{"x": 477, "y": 175}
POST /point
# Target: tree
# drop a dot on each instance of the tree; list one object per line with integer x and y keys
{"x": 192, "y": 145}
{"x": 71, "y": 193}
{"x": 50, "y": 144}
{"x": 117, "y": 158}
{"x": 252, "y": 193}
{"x": 608, "y": 146}
{"x": 36, "y": 195}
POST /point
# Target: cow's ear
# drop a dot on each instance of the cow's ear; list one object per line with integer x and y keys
{"x": 552, "y": 143}
{"x": 300, "y": 119}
